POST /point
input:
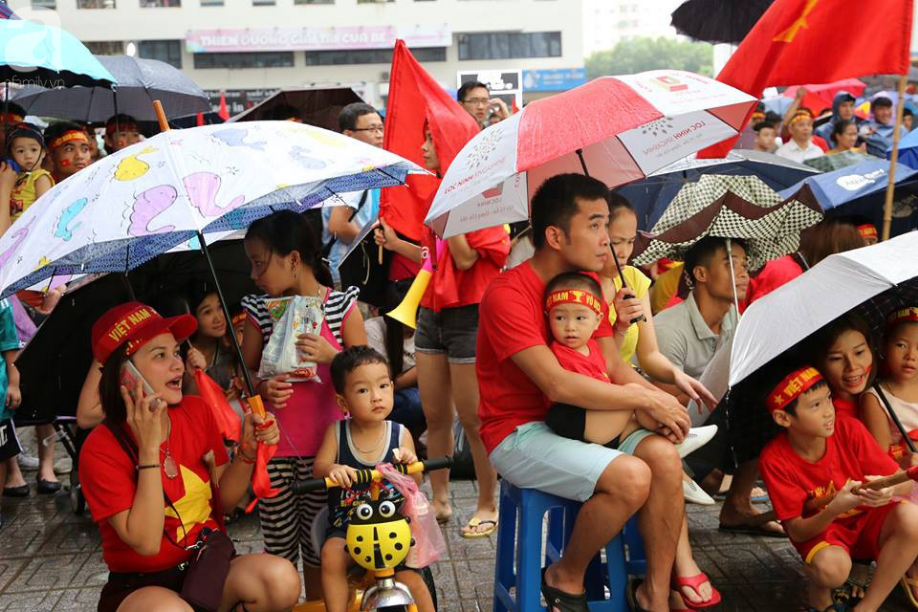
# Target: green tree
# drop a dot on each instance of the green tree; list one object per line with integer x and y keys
{"x": 639, "y": 54}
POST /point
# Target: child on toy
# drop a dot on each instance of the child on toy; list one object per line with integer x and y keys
{"x": 365, "y": 392}
{"x": 821, "y": 456}
{"x": 899, "y": 385}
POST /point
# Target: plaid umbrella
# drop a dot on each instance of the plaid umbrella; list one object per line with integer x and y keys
{"x": 829, "y": 163}
{"x": 741, "y": 207}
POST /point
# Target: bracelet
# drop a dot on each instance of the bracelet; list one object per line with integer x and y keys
{"x": 241, "y": 454}
{"x": 146, "y": 466}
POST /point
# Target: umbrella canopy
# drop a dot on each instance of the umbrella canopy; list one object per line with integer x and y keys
{"x": 741, "y": 207}
{"x": 36, "y": 54}
{"x": 54, "y": 363}
{"x": 829, "y": 289}
{"x": 314, "y": 105}
{"x": 830, "y": 163}
{"x": 619, "y": 128}
{"x": 718, "y": 21}
{"x": 652, "y": 195}
{"x": 144, "y": 200}
{"x": 860, "y": 190}
{"x": 821, "y": 96}
{"x": 908, "y": 150}
{"x": 140, "y": 81}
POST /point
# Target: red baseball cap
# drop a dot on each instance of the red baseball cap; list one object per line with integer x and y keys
{"x": 136, "y": 324}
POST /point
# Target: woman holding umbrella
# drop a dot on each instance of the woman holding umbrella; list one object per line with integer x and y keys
{"x": 156, "y": 475}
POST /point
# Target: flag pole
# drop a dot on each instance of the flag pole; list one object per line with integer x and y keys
{"x": 890, "y": 187}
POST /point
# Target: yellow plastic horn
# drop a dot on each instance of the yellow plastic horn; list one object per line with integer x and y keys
{"x": 407, "y": 311}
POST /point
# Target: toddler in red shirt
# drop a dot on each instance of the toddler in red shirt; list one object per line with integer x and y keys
{"x": 810, "y": 470}
{"x": 573, "y": 302}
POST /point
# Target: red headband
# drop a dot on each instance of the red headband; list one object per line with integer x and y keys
{"x": 903, "y": 314}
{"x": 68, "y": 136}
{"x": 793, "y": 386}
{"x": 10, "y": 118}
{"x": 574, "y": 296}
{"x": 867, "y": 230}
{"x": 126, "y": 126}
{"x": 799, "y": 117}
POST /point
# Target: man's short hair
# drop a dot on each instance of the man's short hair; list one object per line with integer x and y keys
{"x": 907, "y": 112}
{"x": 464, "y": 90}
{"x": 703, "y": 252}
{"x": 762, "y": 125}
{"x": 121, "y": 122}
{"x": 791, "y": 408}
{"x": 347, "y": 118}
{"x": 555, "y": 202}
{"x": 880, "y": 102}
{"x": 349, "y": 360}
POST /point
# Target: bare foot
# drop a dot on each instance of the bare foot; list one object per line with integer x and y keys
{"x": 731, "y": 516}
{"x": 443, "y": 511}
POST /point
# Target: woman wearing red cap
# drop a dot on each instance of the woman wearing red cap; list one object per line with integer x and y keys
{"x": 156, "y": 474}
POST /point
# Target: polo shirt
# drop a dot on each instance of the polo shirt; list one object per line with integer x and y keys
{"x": 792, "y": 151}
{"x": 685, "y": 339}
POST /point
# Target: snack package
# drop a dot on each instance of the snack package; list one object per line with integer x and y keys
{"x": 292, "y": 316}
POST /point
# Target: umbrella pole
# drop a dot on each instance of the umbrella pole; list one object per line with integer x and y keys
{"x": 892, "y": 415}
{"x": 893, "y": 158}
{"x": 733, "y": 277}
{"x": 254, "y": 399}
{"x": 583, "y": 162}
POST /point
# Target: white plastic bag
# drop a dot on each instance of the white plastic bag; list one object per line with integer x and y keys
{"x": 292, "y": 316}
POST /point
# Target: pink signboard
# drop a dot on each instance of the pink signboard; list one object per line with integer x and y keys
{"x": 315, "y": 39}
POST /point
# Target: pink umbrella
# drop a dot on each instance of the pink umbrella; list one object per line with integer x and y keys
{"x": 619, "y": 129}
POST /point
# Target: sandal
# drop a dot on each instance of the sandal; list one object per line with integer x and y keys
{"x": 475, "y": 522}
{"x": 562, "y": 600}
{"x": 631, "y": 593}
{"x": 694, "y": 582}
{"x": 907, "y": 584}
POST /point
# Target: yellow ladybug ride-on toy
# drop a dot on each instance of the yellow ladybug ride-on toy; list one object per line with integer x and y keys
{"x": 379, "y": 537}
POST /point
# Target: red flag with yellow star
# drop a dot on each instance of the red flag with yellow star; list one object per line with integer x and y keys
{"x": 818, "y": 41}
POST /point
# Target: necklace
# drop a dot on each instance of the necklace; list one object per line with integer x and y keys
{"x": 169, "y": 466}
{"x": 382, "y": 437}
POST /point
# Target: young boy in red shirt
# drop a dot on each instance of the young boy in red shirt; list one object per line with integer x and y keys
{"x": 821, "y": 456}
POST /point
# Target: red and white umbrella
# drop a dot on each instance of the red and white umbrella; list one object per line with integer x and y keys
{"x": 619, "y": 128}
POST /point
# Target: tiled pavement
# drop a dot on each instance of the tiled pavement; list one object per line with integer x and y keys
{"x": 50, "y": 559}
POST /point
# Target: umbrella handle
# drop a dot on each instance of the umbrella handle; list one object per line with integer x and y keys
{"x": 161, "y": 115}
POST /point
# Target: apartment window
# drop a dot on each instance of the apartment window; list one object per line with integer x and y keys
{"x": 313, "y": 1}
{"x": 370, "y": 56}
{"x": 160, "y": 3}
{"x": 46, "y": 4}
{"x": 211, "y": 2}
{"x": 169, "y": 51}
{"x": 95, "y": 4}
{"x": 264, "y": 59}
{"x": 509, "y": 45}
{"x": 264, "y": 2}
{"x": 106, "y": 47}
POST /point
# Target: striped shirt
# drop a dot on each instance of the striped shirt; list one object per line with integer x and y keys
{"x": 336, "y": 307}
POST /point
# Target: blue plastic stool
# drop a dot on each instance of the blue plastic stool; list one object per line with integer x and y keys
{"x": 526, "y": 509}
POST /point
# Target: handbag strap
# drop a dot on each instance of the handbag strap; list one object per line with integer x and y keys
{"x": 354, "y": 212}
{"x": 130, "y": 448}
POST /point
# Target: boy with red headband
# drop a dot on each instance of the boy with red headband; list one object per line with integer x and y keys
{"x": 811, "y": 470}
{"x": 120, "y": 131}
{"x": 68, "y": 148}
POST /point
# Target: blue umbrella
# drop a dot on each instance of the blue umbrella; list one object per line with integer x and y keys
{"x": 651, "y": 196}
{"x": 861, "y": 189}
{"x": 36, "y": 54}
{"x": 908, "y": 150}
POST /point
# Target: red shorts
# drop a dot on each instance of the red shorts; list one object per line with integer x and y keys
{"x": 859, "y": 535}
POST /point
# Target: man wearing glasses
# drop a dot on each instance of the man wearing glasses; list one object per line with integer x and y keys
{"x": 476, "y": 99}
{"x": 345, "y": 216}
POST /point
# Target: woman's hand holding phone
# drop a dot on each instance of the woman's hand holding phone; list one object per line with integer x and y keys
{"x": 144, "y": 417}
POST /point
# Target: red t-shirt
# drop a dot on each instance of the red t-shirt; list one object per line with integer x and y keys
{"x": 775, "y": 273}
{"x": 109, "y": 481}
{"x": 451, "y": 287}
{"x": 512, "y": 319}
{"x": 846, "y": 407}
{"x": 851, "y": 453}
{"x": 592, "y": 365}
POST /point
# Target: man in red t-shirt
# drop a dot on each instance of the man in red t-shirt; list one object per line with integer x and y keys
{"x": 821, "y": 456}
{"x": 516, "y": 371}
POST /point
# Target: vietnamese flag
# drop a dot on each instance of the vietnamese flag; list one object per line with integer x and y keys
{"x": 416, "y": 100}
{"x": 818, "y": 41}
{"x": 213, "y": 396}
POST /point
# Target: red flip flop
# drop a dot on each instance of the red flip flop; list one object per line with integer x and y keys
{"x": 694, "y": 582}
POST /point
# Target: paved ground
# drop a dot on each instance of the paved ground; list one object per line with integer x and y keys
{"x": 50, "y": 559}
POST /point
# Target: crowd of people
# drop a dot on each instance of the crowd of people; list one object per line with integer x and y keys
{"x": 568, "y": 370}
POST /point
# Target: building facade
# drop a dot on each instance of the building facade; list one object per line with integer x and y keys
{"x": 606, "y": 22}
{"x": 249, "y": 48}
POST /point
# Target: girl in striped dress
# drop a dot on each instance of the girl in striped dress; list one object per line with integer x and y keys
{"x": 285, "y": 252}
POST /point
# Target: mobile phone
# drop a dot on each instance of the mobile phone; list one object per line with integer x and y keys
{"x": 129, "y": 377}
{"x": 12, "y": 164}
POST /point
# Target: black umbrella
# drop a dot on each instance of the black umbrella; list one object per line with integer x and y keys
{"x": 315, "y": 106}
{"x": 54, "y": 363}
{"x": 140, "y": 81}
{"x": 718, "y": 21}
